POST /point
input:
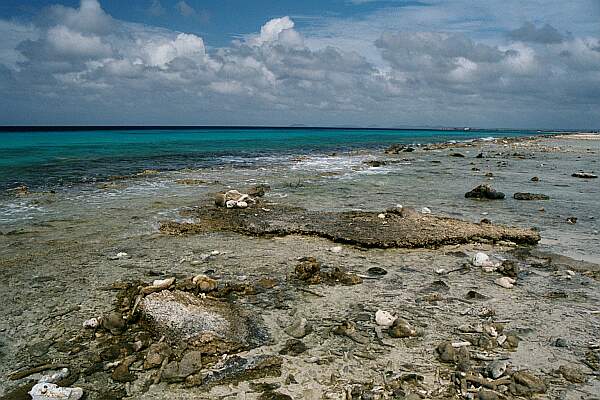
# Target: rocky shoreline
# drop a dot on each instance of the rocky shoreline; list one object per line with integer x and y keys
{"x": 266, "y": 297}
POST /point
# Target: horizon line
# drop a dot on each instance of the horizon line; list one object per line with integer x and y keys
{"x": 74, "y": 128}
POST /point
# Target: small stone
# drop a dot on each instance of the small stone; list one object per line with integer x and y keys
{"x": 485, "y": 192}
{"x": 121, "y": 373}
{"x": 113, "y": 322}
{"x": 560, "y": 342}
{"x": 204, "y": 283}
{"x": 336, "y": 249}
{"x": 348, "y": 329}
{"x": 402, "y": 329}
{"x": 506, "y": 282}
{"x": 384, "y": 318}
{"x": 572, "y": 220}
{"x": 156, "y": 354}
{"x": 91, "y": 323}
{"x": 293, "y": 347}
{"x": 481, "y": 260}
{"x": 190, "y": 363}
{"x": 525, "y": 383}
{"x": 299, "y": 328}
{"x": 425, "y": 210}
{"x": 382, "y": 216}
{"x": 446, "y": 352}
{"x": 487, "y": 395}
{"x": 535, "y": 179}
{"x": 376, "y": 271}
{"x": 50, "y": 391}
{"x": 572, "y": 374}
{"x": 584, "y": 175}
{"x": 496, "y": 369}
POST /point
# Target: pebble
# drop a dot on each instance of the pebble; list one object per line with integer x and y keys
{"x": 376, "y": 271}
{"x": 482, "y": 260}
{"x": 204, "y": 283}
{"x": 336, "y": 249}
{"x": 113, "y": 322}
{"x": 487, "y": 395}
{"x": 384, "y": 318}
{"x": 156, "y": 354}
{"x": 402, "y": 329}
{"x": 560, "y": 342}
{"x": 572, "y": 374}
{"x": 382, "y": 216}
{"x": 299, "y": 328}
{"x": 425, "y": 210}
{"x": 497, "y": 368}
{"x": 91, "y": 323}
{"x": 505, "y": 282}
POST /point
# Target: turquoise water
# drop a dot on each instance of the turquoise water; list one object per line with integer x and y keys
{"x": 46, "y": 159}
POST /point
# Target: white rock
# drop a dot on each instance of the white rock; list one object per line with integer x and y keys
{"x": 91, "y": 323}
{"x": 50, "y": 391}
{"x": 482, "y": 260}
{"x": 425, "y": 210}
{"x": 163, "y": 283}
{"x": 384, "y": 318}
{"x": 570, "y": 273}
{"x": 505, "y": 282}
{"x": 336, "y": 249}
{"x": 440, "y": 271}
{"x": 382, "y": 216}
{"x": 121, "y": 254}
{"x": 242, "y": 204}
{"x": 230, "y": 203}
{"x": 55, "y": 377}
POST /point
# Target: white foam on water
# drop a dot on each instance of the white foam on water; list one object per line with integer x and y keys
{"x": 19, "y": 211}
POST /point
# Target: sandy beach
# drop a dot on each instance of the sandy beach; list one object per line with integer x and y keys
{"x": 291, "y": 285}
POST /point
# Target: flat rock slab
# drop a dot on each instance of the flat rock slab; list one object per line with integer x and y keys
{"x": 359, "y": 228}
{"x": 211, "y": 326}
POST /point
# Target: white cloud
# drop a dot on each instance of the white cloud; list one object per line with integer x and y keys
{"x": 86, "y": 65}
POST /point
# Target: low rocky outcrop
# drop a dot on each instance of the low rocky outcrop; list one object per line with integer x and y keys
{"x": 484, "y": 192}
{"x": 361, "y": 228}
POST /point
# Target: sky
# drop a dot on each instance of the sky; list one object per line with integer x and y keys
{"x": 364, "y": 63}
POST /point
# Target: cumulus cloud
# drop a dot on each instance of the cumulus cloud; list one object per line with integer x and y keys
{"x": 546, "y": 34}
{"x": 80, "y": 65}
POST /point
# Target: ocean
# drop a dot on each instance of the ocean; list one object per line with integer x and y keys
{"x": 44, "y": 159}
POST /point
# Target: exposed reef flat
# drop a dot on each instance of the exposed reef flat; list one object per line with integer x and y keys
{"x": 366, "y": 229}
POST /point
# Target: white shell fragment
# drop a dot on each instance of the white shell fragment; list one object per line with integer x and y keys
{"x": 382, "y": 216}
{"x": 50, "y": 391}
{"x": 384, "y": 318}
{"x": 91, "y": 323}
{"x": 336, "y": 249}
{"x": 425, "y": 210}
{"x": 230, "y": 203}
{"x": 505, "y": 282}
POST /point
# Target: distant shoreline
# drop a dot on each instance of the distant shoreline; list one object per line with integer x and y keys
{"x": 83, "y": 128}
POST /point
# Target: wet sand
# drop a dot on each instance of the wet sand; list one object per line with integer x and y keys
{"x": 59, "y": 264}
